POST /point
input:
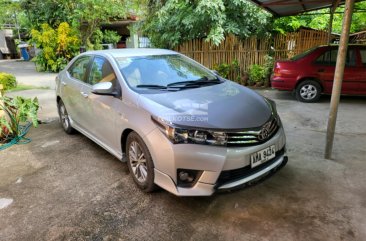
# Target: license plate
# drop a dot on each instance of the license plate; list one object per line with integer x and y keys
{"x": 262, "y": 156}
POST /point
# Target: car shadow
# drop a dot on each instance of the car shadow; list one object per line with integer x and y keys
{"x": 325, "y": 98}
{"x": 344, "y": 99}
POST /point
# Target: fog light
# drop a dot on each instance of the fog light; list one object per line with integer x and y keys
{"x": 187, "y": 178}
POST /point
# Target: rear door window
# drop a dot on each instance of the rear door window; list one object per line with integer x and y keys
{"x": 327, "y": 58}
{"x": 330, "y": 58}
{"x": 79, "y": 68}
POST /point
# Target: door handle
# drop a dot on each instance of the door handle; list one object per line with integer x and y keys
{"x": 85, "y": 95}
{"x": 321, "y": 70}
{"x": 63, "y": 83}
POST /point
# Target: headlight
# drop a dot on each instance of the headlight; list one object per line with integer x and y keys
{"x": 273, "y": 107}
{"x": 180, "y": 135}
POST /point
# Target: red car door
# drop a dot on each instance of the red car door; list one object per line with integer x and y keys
{"x": 325, "y": 67}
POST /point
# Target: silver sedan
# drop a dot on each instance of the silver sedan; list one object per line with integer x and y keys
{"x": 177, "y": 124}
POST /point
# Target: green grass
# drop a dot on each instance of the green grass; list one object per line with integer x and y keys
{"x": 27, "y": 87}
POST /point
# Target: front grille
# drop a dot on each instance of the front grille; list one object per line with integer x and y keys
{"x": 237, "y": 174}
{"x": 253, "y": 136}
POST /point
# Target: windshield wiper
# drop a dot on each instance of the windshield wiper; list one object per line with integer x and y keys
{"x": 152, "y": 86}
{"x": 195, "y": 83}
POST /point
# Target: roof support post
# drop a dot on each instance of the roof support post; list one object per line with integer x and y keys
{"x": 338, "y": 77}
{"x": 332, "y": 9}
{"x": 330, "y": 26}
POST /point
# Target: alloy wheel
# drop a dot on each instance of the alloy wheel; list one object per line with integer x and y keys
{"x": 64, "y": 117}
{"x": 308, "y": 92}
{"x": 138, "y": 162}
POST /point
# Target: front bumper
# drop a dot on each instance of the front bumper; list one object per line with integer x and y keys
{"x": 222, "y": 168}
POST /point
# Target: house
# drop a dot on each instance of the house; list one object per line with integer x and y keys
{"x": 123, "y": 28}
{"x": 358, "y": 38}
{"x": 7, "y": 45}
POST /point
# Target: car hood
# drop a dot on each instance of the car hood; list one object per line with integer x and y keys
{"x": 223, "y": 106}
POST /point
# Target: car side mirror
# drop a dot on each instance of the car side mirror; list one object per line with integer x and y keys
{"x": 104, "y": 88}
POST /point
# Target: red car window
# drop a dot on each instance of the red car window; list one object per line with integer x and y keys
{"x": 363, "y": 56}
{"x": 330, "y": 58}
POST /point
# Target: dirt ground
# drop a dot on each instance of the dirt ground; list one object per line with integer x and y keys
{"x": 61, "y": 187}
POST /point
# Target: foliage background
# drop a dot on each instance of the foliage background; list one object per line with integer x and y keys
{"x": 169, "y": 23}
{"x": 57, "y": 46}
{"x": 320, "y": 20}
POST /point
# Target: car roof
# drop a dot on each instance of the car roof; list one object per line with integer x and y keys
{"x": 132, "y": 52}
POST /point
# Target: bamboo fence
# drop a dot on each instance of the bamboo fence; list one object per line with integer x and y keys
{"x": 291, "y": 44}
{"x": 246, "y": 52}
{"x": 252, "y": 50}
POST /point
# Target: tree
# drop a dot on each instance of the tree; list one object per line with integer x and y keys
{"x": 320, "y": 20}
{"x": 51, "y": 12}
{"x": 171, "y": 22}
{"x": 86, "y": 15}
{"x": 58, "y": 46}
{"x": 8, "y": 8}
{"x": 90, "y": 14}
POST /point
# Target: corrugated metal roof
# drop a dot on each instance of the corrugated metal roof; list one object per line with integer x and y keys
{"x": 293, "y": 7}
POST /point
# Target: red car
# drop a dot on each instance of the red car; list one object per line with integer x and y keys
{"x": 311, "y": 73}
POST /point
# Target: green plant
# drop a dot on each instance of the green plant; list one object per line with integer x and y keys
{"x": 229, "y": 70}
{"x": 13, "y": 113}
{"x": 111, "y": 37}
{"x": 223, "y": 69}
{"x": 171, "y": 22}
{"x": 58, "y": 46}
{"x": 8, "y": 81}
{"x": 235, "y": 69}
{"x": 96, "y": 41}
{"x": 257, "y": 74}
{"x": 268, "y": 66}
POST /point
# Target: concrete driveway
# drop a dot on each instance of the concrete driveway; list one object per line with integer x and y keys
{"x": 26, "y": 74}
{"x": 62, "y": 187}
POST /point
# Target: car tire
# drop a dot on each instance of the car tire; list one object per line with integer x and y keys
{"x": 140, "y": 163}
{"x": 64, "y": 118}
{"x": 308, "y": 91}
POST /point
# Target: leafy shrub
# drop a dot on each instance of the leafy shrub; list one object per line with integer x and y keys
{"x": 229, "y": 70}
{"x": 223, "y": 70}
{"x": 96, "y": 40}
{"x": 257, "y": 74}
{"x": 8, "y": 81}
{"x": 14, "y": 112}
{"x": 269, "y": 63}
{"x": 111, "y": 37}
{"x": 58, "y": 46}
{"x": 98, "y": 37}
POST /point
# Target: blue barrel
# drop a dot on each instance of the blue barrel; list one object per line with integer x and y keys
{"x": 24, "y": 53}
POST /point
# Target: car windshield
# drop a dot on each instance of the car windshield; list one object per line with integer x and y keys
{"x": 303, "y": 54}
{"x": 164, "y": 72}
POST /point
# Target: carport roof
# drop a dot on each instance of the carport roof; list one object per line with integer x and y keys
{"x": 281, "y": 8}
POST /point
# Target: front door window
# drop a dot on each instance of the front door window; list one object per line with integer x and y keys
{"x": 101, "y": 71}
